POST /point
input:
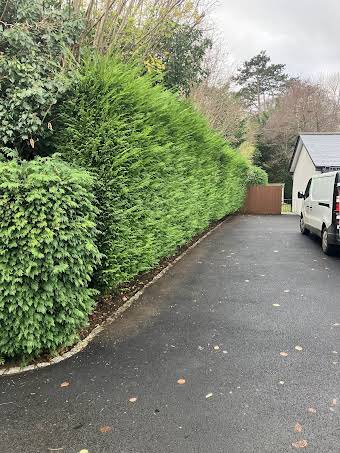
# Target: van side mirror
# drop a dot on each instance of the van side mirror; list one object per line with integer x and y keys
{"x": 301, "y": 195}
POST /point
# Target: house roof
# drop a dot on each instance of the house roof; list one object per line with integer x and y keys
{"x": 323, "y": 149}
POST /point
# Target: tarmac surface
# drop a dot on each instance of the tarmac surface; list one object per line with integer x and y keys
{"x": 248, "y": 322}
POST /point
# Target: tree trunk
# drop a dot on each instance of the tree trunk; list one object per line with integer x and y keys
{"x": 258, "y": 96}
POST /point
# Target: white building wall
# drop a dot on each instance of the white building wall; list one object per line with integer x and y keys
{"x": 304, "y": 170}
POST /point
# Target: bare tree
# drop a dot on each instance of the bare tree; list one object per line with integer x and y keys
{"x": 134, "y": 26}
{"x": 224, "y": 112}
{"x": 306, "y": 106}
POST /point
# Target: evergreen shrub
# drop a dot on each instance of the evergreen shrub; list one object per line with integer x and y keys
{"x": 163, "y": 173}
{"x": 257, "y": 176}
{"x": 47, "y": 255}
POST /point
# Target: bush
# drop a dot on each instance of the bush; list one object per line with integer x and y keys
{"x": 35, "y": 38}
{"x": 47, "y": 255}
{"x": 257, "y": 176}
{"x": 163, "y": 174}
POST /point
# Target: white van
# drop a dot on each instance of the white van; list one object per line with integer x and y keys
{"x": 320, "y": 212}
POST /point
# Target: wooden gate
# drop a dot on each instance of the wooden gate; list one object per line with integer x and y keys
{"x": 263, "y": 200}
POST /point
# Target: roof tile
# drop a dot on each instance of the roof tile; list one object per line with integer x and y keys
{"x": 324, "y": 149}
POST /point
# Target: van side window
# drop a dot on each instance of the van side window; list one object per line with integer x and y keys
{"x": 307, "y": 191}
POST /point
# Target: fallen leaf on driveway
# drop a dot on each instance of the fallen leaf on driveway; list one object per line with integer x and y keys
{"x": 209, "y": 395}
{"x": 284, "y": 354}
{"x": 300, "y": 444}
{"x": 133, "y": 400}
{"x": 105, "y": 429}
{"x": 297, "y": 428}
{"x": 311, "y": 410}
{"x": 181, "y": 381}
{"x": 298, "y": 348}
{"x": 64, "y": 384}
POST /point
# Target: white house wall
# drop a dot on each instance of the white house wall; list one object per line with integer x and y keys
{"x": 304, "y": 170}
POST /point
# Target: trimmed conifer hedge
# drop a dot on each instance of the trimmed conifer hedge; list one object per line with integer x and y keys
{"x": 163, "y": 174}
{"x": 47, "y": 255}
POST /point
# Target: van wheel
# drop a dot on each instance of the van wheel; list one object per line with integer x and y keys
{"x": 326, "y": 247}
{"x": 303, "y": 228}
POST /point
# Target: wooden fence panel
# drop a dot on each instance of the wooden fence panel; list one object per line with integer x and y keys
{"x": 263, "y": 200}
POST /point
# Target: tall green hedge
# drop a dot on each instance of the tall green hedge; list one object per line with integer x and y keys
{"x": 47, "y": 255}
{"x": 163, "y": 174}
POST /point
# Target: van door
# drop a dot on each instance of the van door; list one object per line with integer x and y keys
{"x": 306, "y": 204}
{"x": 321, "y": 203}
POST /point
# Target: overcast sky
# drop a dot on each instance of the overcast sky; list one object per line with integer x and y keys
{"x": 303, "y": 34}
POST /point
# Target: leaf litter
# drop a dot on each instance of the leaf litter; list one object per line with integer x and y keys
{"x": 312, "y": 410}
{"x": 297, "y": 428}
{"x": 300, "y": 444}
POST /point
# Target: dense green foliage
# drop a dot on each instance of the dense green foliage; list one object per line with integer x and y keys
{"x": 47, "y": 255}
{"x": 163, "y": 174}
{"x": 257, "y": 176}
{"x": 182, "y": 51}
{"x": 34, "y": 38}
{"x": 275, "y": 160}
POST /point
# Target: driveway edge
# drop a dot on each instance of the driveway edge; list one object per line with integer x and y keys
{"x": 97, "y": 330}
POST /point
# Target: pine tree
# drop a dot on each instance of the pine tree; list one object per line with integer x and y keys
{"x": 260, "y": 81}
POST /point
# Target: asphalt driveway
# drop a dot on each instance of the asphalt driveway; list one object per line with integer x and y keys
{"x": 218, "y": 322}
